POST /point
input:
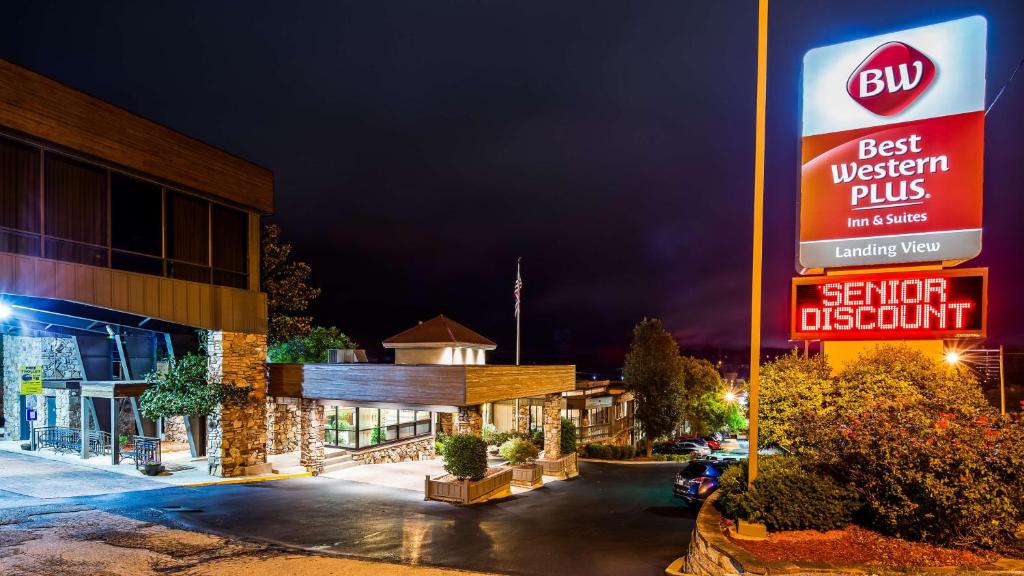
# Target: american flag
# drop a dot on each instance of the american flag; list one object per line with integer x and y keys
{"x": 518, "y": 289}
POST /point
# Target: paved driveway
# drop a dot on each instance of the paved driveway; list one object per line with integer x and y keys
{"x": 614, "y": 519}
{"x": 30, "y": 476}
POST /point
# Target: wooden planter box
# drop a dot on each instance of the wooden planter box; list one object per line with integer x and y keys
{"x": 528, "y": 475}
{"x": 496, "y": 484}
{"x": 564, "y": 467}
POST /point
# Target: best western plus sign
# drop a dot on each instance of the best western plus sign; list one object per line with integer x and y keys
{"x": 893, "y": 132}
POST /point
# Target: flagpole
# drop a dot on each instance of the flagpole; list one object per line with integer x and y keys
{"x": 519, "y": 307}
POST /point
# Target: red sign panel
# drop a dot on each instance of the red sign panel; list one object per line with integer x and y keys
{"x": 893, "y": 131}
{"x": 908, "y": 305}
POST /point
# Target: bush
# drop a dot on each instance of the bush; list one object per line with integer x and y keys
{"x": 465, "y": 456}
{"x": 311, "y": 348}
{"x": 568, "y": 437}
{"x": 609, "y": 452}
{"x": 953, "y": 479}
{"x": 916, "y": 439}
{"x": 489, "y": 434}
{"x": 538, "y": 438}
{"x": 518, "y": 451}
{"x": 787, "y": 495}
{"x": 500, "y": 438}
{"x": 670, "y": 458}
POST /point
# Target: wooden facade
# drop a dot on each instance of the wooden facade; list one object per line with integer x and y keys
{"x": 179, "y": 301}
{"x": 433, "y": 385}
{"x": 39, "y": 107}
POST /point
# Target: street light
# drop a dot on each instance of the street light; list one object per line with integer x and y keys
{"x": 5, "y": 311}
{"x": 953, "y": 358}
{"x": 730, "y": 396}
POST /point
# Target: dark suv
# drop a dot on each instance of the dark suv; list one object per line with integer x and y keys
{"x": 699, "y": 479}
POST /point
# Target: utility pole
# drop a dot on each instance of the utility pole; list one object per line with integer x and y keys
{"x": 755, "y": 284}
{"x": 1002, "y": 384}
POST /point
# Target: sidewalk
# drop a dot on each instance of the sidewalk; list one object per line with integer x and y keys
{"x": 182, "y": 469}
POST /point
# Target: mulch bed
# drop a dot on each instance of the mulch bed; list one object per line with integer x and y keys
{"x": 858, "y": 546}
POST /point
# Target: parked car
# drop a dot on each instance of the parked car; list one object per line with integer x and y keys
{"x": 730, "y": 445}
{"x": 685, "y": 447}
{"x": 699, "y": 479}
{"x": 712, "y": 442}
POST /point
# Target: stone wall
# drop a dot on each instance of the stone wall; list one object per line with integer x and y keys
{"x": 69, "y": 408}
{"x": 445, "y": 423}
{"x": 237, "y": 434}
{"x": 553, "y": 426}
{"x": 58, "y": 355}
{"x": 711, "y": 553}
{"x": 174, "y": 429}
{"x": 411, "y": 450}
{"x": 522, "y": 415}
{"x": 283, "y": 426}
{"x": 469, "y": 420}
{"x": 311, "y": 436}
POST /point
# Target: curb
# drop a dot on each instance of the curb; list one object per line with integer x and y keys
{"x": 244, "y": 480}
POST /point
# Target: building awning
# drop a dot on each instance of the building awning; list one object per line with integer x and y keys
{"x": 425, "y": 385}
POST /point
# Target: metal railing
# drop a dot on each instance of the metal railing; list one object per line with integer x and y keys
{"x": 69, "y": 440}
{"x": 142, "y": 450}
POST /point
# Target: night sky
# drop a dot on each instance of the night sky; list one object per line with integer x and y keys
{"x": 420, "y": 147}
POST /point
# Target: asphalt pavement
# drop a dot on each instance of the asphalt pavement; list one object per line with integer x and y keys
{"x": 614, "y": 519}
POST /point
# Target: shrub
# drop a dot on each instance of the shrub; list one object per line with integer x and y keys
{"x": 538, "y": 438}
{"x": 465, "y": 456}
{"x": 787, "y": 495}
{"x": 670, "y": 458}
{"x": 929, "y": 458}
{"x": 568, "y": 437}
{"x": 489, "y": 434}
{"x": 952, "y": 479}
{"x": 618, "y": 453}
{"x": 518, "y": 451}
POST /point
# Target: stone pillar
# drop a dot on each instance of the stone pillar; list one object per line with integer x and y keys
{"x": 69, "y": 408}
{"x": 283, "y": 425}
{"x": 174, "y": 429}
{"x": 522, "y": 416}
{"x": 469, "y": 421}
{"x": 445, "y": 423}
{"x": 311, "y": 436}
{"x": 553, "y": 426}
{"x": 237, "y": 434}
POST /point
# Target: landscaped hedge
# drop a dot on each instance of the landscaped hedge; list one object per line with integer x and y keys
{"x": 786, "y": 496}
{"x": 609, "y": 452}
{"x": 465, "y": 456}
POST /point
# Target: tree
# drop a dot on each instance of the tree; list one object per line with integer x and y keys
{"x": 654, "y": 374}
{"x": 793, "y": 390}
{"x": 286, "y": 285}
{"x": 185, "y": 389}
{"x": 703, "y": 407}
{"x": 311, "y": 348}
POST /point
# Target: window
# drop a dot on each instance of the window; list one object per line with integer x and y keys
{"x": 136, "y": 229}
{"x": 81, "y": 212}
{"x": 367, "y": 427}
{"x": 230, "y": 247}
{"x": 188, "y": 237}
{"x": 19, "y": 198}
{"x": 76, "y": 211}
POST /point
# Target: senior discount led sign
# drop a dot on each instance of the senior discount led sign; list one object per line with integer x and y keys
{"x": 892, "y": 149}
{"x": 913, "y": 305}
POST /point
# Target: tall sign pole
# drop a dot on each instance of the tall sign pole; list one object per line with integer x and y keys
{"x": 755, "y": 284}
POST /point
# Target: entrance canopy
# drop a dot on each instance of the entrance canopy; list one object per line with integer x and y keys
{"x": 430, "y": 385}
